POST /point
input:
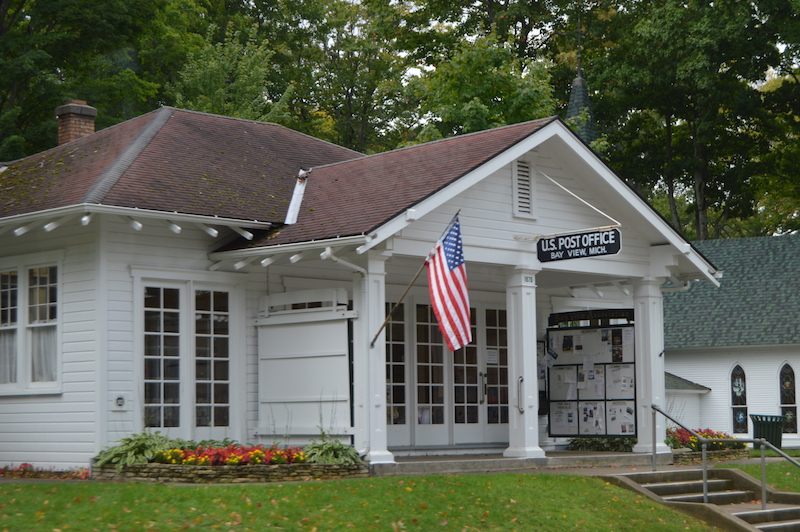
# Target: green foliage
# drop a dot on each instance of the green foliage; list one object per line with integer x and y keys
{"x": 624, "y": 445}
{"x": 226, "y": 78}
{"x": 44, "y": 45}
{"x": 482, "y": 86}
{"x": 135, "y": 449}
{"x": 684, "y": 110}
{"x": 330, "y": 451}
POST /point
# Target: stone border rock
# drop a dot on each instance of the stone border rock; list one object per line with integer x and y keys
{"x": 696, "y": 457}
{"x": 169, "y": 473}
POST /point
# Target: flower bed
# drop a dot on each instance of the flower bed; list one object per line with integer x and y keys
{"x": 29, "y": 471}
{"x": 687, "y": 448}
{"x": 154, "y": 472}
{"x": 231, "y": 455}
{"x": 156, "y": 458}
{"x": 683, "y": 439}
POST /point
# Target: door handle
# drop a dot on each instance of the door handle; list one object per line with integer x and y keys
{"x": 482, "y": 385}
{"x": 519, "y": 396}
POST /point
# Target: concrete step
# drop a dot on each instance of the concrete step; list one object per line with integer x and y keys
{"x": 770, "y": 514}
{"x": 714, "y": 497}
{"x": 773, "y": 519}
{"x": 780, "y": 526}
{"x": 688, "y": 486}
{"x": 733, "y": 498}
{"x": 653, "y": 477}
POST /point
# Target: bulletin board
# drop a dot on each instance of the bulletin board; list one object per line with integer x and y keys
{"x": 591, "y": 381}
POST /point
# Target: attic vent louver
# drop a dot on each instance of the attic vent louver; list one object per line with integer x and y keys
{"x": 523, "y": 190}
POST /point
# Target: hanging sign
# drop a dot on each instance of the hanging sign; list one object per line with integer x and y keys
{"x": 579, "y": 245}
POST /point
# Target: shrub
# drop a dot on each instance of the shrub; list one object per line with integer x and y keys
{"x": 331, "y": 451}
{"x": 135, "y": 449}
{"x": 602, "y": 444}
{"x": 681, "y": 438}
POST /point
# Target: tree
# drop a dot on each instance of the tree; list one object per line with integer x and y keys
{"x": 41, "y": 41}
{"x": 483, "y": 85}
{"x": 428, "y": 28}
{"x": 694, "y": 69}
{"x": 227, "y": 78}
{"x": 358, "y": 80}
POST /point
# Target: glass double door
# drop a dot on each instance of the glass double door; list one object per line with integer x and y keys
{"x": 457, "y": 397}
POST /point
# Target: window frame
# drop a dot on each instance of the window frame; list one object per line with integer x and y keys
{"x": 188, "y": 282}
{"x": 738, "y": 406}
{"x": 785, "y": 389}
{"x": 23, "y": 264}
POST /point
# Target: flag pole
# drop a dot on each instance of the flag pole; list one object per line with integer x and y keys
{"x": 405, "y": 293}
{"x": 389, "y": 316}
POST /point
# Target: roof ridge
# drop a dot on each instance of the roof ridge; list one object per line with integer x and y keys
{"x": 545, "y": 120}
{"x": 357, "y": 154}
{"x": 98, "y": 191}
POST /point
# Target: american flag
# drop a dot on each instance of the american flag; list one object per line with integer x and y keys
{"x": 447, "y": 283}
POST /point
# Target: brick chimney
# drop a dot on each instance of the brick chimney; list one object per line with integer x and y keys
{"x": 75, "y": 120}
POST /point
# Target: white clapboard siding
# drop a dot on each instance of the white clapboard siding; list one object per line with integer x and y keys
{"x": 164, "y": 255}
{"x": 58, "y": 429}
{"x": 489, "y": 223}
{"x": 255, "y": 289}
{"x": 712, "y": 368}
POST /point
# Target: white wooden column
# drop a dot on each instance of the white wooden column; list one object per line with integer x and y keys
{"x": 369, "y": 363}
{"x": 523, "y": 408}
{"x": 649, "y": 345}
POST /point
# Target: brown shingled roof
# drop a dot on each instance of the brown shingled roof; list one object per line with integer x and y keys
{"x": 355, "y": 197}
{"x": 171, "y": 160}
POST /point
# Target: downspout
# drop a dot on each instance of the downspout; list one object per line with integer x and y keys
{"x": 297, "y": 197}
{"x": 682, "y": 287}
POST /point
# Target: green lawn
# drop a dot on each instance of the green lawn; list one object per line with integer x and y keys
{"x": 783, "y": 476}
{"x": 504, "y": 502}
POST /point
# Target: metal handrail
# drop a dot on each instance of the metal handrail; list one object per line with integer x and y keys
{"x": 704, "y": 447}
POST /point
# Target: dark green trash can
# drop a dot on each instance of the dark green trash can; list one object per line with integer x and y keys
{"x": 768, "y": 427}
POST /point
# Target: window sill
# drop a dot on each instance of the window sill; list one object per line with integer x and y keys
{"x": 17, "y": 392}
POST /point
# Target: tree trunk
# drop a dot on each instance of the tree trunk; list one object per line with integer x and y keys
{"x": 669, "y": 178}
{"x": 700, "y": 181}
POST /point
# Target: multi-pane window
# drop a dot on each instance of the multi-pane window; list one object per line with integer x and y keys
{"x": 28, "y": 326}
{"x": 395, "y": 367}
{"x": 788, "y": 399}
{"x": 468, "y": 381}
{"x": 496, "y": 366}
{"x": 430, "y": 368}
{"x": 162, "y": 361}
{"x": 9, "y": 287}
{"x": 42, "y": 316}
{"x": 212, "y": 359}
{"x": 739, "y": 400}
{"x": 168, "y": 342}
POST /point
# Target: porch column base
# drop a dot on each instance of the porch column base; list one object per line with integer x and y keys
{"x": 647, "y": 447}
{"x": 379, "y": 457}
{"x": 524, "y": 452}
